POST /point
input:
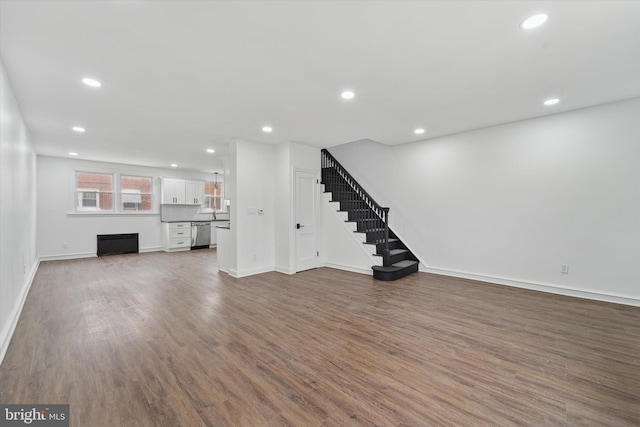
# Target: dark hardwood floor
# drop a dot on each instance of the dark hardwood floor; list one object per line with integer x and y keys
{"x": 165, "y": 340}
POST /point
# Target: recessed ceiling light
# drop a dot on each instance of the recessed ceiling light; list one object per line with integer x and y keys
{"x": 78, "y": 129}
{"x": 91, "y": 82}
{"x": 347, "y": 94}
{"x": 267, "y": 129}
{"x": 210, "y": 150}
{"x": 173, "y": 165}
{"x": 551, "y": 101}
{"x": 71, "y": 153}
{"x": 419, "y": 131}
{"x": 534, "y": 21}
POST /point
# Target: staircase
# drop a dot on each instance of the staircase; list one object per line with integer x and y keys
{"x": 370, "y": 218}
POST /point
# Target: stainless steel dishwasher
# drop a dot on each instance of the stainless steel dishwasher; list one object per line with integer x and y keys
{"x": 200, "y": 234}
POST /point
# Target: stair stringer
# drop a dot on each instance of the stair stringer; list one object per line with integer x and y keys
{"x": 378, "y": 260}
{"x": 421, "y": 266}
{"x": 340, "y": 241}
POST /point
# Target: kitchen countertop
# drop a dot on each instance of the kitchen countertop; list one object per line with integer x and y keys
{"x": 199, "y": 220}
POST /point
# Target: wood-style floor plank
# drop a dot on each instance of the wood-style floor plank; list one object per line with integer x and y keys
{"x": 163, "y": 339}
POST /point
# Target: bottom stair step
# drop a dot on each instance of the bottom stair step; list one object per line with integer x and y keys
{"x": 396, "y": 255}
{"x": 395, "y": 271}
{"x": 393, "y": 252}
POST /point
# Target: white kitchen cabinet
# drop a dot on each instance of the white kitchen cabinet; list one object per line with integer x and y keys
{"x": 177, "y": 236}
{"x": 194, "y": 193}
{"x": 173, "y": 191}
{"x": 182, "y": 192}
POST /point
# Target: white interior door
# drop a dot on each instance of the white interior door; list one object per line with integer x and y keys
{"x": 306, "y": 221}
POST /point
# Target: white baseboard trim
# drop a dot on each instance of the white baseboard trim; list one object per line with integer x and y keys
{"x": 542, "y": 287}
{"x": 152, "y": 249}
{"x": 62, "y": 257}
{"x": 253, "y": 271}
{"x": 284, "y": 270}
{"x": 79, "y": 255}
{"x": 348, "y": 268}
{"x": 9, "y": 328}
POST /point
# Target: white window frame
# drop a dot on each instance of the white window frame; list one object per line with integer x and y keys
{"x": 116, "y": 192}
{"x": 211, "y": 198}
{"x": 78, "y": 192}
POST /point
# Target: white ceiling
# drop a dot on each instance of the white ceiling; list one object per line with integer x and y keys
{"x": 181, "y": 76}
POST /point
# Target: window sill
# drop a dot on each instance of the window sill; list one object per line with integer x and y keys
{"x": 97, "y": 213}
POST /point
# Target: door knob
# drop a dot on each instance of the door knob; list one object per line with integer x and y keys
{"x": 298, "y": 226}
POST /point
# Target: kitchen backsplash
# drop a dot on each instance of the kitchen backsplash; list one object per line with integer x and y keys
{"x": 169, "y": 213}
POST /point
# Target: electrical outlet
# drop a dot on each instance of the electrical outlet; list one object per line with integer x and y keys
{"x": 564, "y": 269}
{"x": 255, "y": 257}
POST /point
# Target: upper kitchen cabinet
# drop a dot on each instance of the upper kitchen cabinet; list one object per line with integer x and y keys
{"x": 194, "y": 192}
{"x": 173, "y": 191}
{"x": 182, "y": 192}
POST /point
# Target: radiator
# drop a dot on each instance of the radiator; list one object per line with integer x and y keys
{"x": 109, "y": 244}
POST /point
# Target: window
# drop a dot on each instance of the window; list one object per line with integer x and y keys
{"x": 136, "y": 193}
{"x": 213, "y": 196}
{"x": 104, "y": 191}
{"x": 94, "y": 191}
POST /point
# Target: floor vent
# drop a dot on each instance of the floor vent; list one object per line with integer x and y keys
{"x": 109, "y": 244}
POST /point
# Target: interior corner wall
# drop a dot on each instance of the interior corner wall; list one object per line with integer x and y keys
{"x": 283, "y": 203}
{"x": 255, "y": 192}
{"x": 512, "y": 203}
{"x": 227, "y": 249}
{"x": 290, "y": 156}
{"x": 18, "y": 258}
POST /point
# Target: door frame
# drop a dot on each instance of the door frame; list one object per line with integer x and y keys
{"x": 317, "y": 212}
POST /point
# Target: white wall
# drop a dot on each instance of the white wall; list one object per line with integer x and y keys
{"x": 341, "y": 248}
{"x": 18, "y": 260}
{"x": 260, "y": 176}
{"x": 227, "y": 249}
{"x": 65, "y": 234}
{"x": 284, "y": 212}
{"x": 255, "y": 186}
{"x": 511, "y": 203}
{"x": 290, "y": 156}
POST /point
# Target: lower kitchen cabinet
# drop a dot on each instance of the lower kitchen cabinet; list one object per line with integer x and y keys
{"x": 177, "y": 236}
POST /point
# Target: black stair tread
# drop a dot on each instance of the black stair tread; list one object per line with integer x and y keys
{"x": 395, "y": 267}
{"x": 377, "y": 242}
{"x": 394, "y": 252}
{"x": 404, "y": 263}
